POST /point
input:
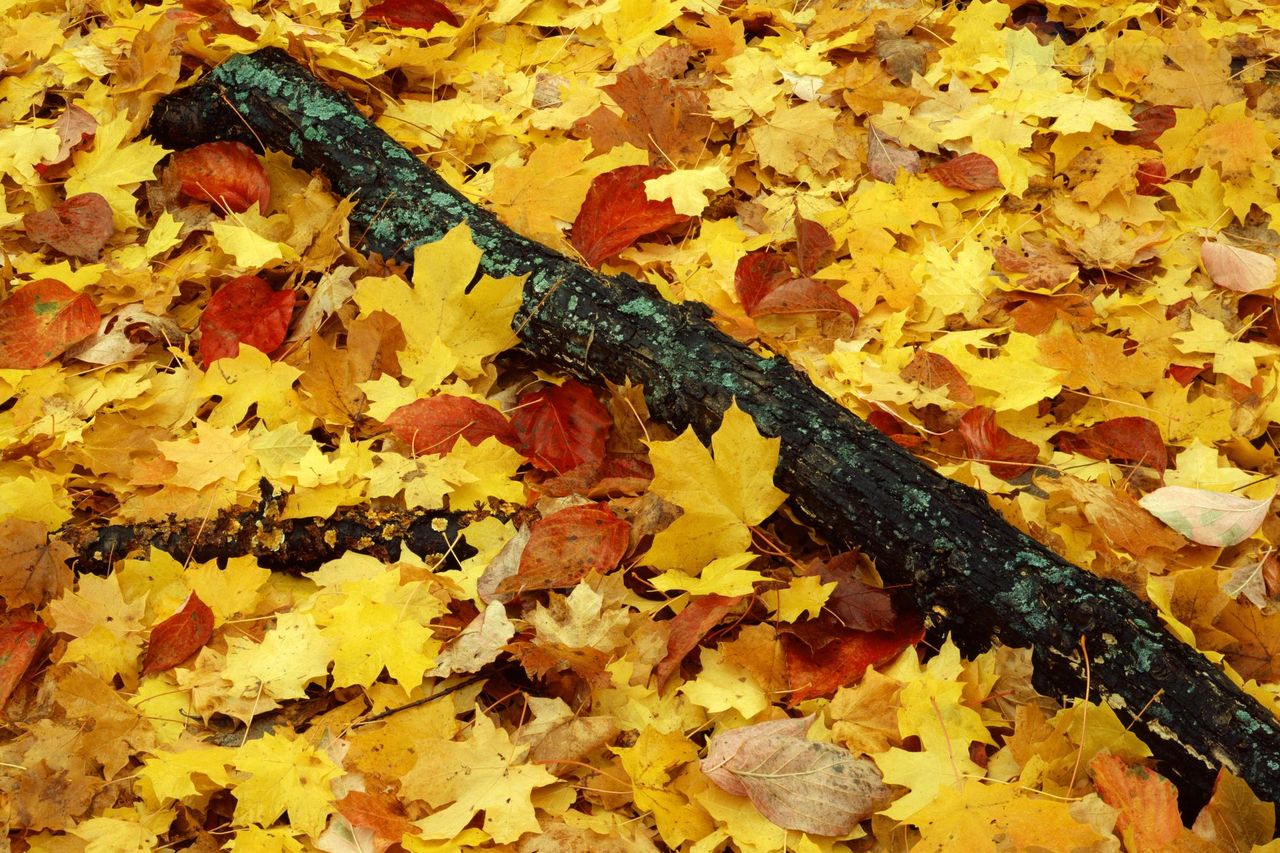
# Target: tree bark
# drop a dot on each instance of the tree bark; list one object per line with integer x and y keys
{"x": 972, "y": 574}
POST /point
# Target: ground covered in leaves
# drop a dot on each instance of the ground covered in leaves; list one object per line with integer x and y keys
{"x": 1032, "y": 242}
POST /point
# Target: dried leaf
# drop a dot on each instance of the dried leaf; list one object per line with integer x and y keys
{"x": 1127, "y": 439}
{"x": 797, "y": 784}
{"x": 565, "y": 546}
{"x": 1005, "y": 453}
{"x": 19, "y": 643}
{"x": 970, "y": 172}
{"x": 78, "y": 227}
{"x": 1237, "y": 269}
{"x": 617, "y": 212}
{"x": 814, "y": 246}
{"x": 885, "y": 158}
{"x": 689, "y": 627}
{"x": 1210, "y": 518}
{"x": 423, "y": 14}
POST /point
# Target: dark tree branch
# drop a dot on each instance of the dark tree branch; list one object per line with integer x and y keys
{"x": 972, "y": 573}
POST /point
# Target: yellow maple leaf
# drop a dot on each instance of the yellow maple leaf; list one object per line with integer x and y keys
{"x": 251, "y": 379}
{"x": 292, "y": 655}
{"x": 215, "y": 454}
{"x": 722, "y": 576}
{"x": 474, "y": 323}
{"x": 285, "y": 774}
{"x": 650, "y": 763}
{"x": 484, "y": 773}
{"x": 114, "y": 169}
{"x": 722, "y": 496}
{"x": 981, "y": 816}
{"x": 379, "y": 621}
{"x": 688, "y": 188}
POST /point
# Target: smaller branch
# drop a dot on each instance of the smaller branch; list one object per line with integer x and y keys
{"x": 283, "y": 544}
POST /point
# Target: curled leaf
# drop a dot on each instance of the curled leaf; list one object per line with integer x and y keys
{"x": 1210, "y": 518}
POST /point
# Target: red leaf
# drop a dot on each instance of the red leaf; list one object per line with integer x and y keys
{"x": 434, "y": 424}
{"x": 382, "y": 813}
{"x": 803, "y": 296}
{"x": 78, "y": 228}
{"x": 614, "y": 475}
{"x": 1006, "y": 454}
{"x": 561, "y": 427}
{"x": 853, "y": 603}
{"x": 894, "y": 429}
{"x": 18, "y": 645}
{"x": 225, "y": 173}
{"x": 814, "y": 246}
{"x": 1148, "y": 802}
{"x": 970, "y": 172}
{"x": 757, "y": 274}
{"x": 689, "y": 627}
{"x": 1151, "y": 174}
{"x": 616, "y": 213}
{"x": 1128, "y": 439}
{"x": 1185, "y": 374}
{"x": 423, "y": 14}
{"x": 1151, "y": 122}
{"x": 179, "y": 637}
{"x": 841, "y": 656}
{"x": 244, "y": 310}
{"x": 567, "y": 545}
{"x": 40, "y": 321}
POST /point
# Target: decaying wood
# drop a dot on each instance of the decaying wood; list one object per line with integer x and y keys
{"x": 973, "y": 574}
{"x": 281, "y": 544}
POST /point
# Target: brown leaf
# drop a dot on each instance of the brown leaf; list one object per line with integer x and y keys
{"x": 1127, "y": 439}
{"x": 855, "y": 604}
{"x": 1151, "y": 122}
{"x": 33, "y": 568}
{"x": 903, "y": 57}
{"x": 814, "y": 246}
{"x": 797, "y": 784}
{"x": 688, "y": 628}
{"x": 565, "y": 546}
{"x": 970, "y": 172}
{"x": 933, "y": 371}
{"x": 78, "y": 227}
{"x": 885, "y": 158}
{"x": 73, "y": 127}
{"x": 658, "y": 115}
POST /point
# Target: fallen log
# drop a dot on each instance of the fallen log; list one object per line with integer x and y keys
{"x": 972, "y": 574}
{"x": 282, "y": 544}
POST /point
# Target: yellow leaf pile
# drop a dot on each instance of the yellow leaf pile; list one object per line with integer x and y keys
{"x": 1058, "y": 217}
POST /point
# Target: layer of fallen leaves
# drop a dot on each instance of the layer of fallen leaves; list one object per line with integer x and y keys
{"x": 1032, "y": 244}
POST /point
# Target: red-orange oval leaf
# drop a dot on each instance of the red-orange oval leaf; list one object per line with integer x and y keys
{"x": 971, "y": 172}
{"x": 434, "y": 424}
{"x": 244, "y": 310}
{"x": 561, "y": 427}
{"x": 40, "y": 321}
{"x": 225, "y": 173}
{"x": 1127, "y": 439}
{"x": 78, "y": 228}
{"x": 18, "y": 645}
{"x": 423, "y": 14}
{"x": 179, "y": 637}
{"x": 567, "y": 545}
{"x": 1005, "y": 453}
{"x": 803, "y": 296}
{"x": 830, "y": 656}
{"x": 617, "y": 212}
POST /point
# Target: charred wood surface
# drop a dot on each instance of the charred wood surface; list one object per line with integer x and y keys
{"x": 972, "y": 574}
